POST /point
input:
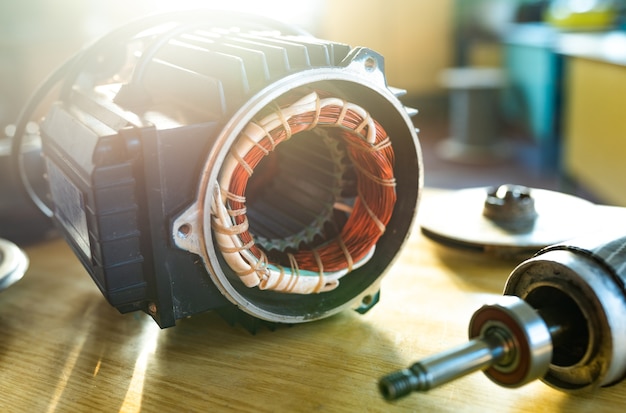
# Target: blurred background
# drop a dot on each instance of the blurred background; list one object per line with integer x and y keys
{"x": 509, "y": 91}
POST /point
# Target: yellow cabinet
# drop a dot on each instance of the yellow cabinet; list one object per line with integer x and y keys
{"x": 594, "y": 145}
{"x": 415, "y": 37}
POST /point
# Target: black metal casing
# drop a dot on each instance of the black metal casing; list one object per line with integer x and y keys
{"x": 124, "y": 152}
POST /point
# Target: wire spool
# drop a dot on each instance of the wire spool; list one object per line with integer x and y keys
{"x": 474, "y": 116}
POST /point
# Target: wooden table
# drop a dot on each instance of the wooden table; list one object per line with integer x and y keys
{"x": 63, "y": 348}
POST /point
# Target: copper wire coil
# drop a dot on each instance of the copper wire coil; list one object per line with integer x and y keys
{"x": 373, "y": 206}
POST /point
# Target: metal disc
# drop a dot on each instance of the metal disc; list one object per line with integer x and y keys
{"x": 13, "y": 264}
{"x": 456, "y": 219}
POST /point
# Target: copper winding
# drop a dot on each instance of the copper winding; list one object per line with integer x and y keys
{"x": 373, "y": 207}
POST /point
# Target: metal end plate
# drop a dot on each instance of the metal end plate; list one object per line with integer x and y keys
{"x": 456, "y": 219}
{"x": 13, "y": 264}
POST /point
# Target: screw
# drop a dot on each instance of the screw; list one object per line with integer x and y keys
{"x": 511, "y": 206}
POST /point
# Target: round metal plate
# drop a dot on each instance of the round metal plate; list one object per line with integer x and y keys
{"x": 456, "y": 219}
{"x": 13, "y": 264}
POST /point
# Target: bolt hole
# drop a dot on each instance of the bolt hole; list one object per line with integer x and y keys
{"x": 152, "y": 309}
{"x": 370, "y": 64}
{"x": 367, "y": 300}
{"x": 184, "y": 231}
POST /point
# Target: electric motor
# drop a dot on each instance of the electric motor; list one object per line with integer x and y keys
{"x": 219, "y": 161}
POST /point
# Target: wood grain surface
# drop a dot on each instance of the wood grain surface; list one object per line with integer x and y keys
{"x": 64, "y": 349}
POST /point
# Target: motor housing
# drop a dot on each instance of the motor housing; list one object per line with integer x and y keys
{"x": 147, "y": 119}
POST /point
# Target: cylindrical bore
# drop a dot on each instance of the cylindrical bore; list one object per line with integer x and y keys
{"x": 601, "y": 306}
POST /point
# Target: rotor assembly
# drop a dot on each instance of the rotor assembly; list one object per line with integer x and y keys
{"x": 560, "y": 320}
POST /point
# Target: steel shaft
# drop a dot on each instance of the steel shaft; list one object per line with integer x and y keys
{"x": 509, "y": 341}
{"x": 477, "y": 354}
